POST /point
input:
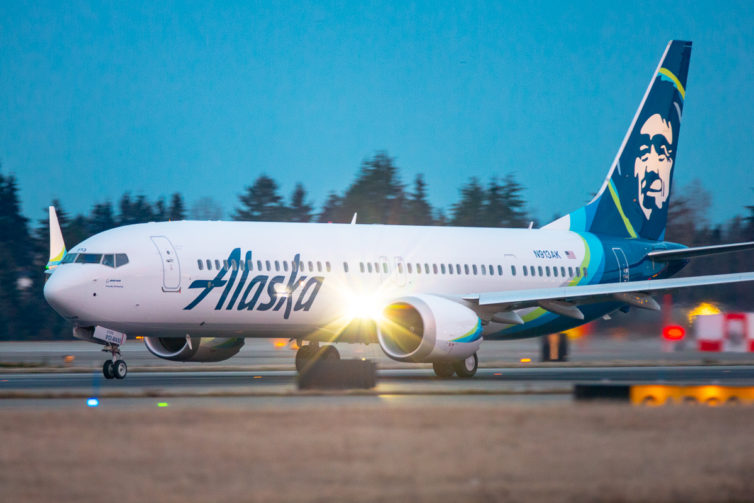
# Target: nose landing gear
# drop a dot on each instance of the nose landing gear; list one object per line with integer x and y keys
{"x": 115, "y": 368}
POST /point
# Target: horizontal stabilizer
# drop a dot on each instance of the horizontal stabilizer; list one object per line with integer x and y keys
{"x": 698, "y": 251}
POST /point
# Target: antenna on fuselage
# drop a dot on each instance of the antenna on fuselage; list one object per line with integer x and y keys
{"x": 353, "y": 220}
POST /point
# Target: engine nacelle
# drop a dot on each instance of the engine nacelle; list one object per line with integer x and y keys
{"x": 201, "y": 349}
{"x": 426, "y": 328}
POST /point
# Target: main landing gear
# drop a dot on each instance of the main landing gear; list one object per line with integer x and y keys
{"x": 114, "y": 368}
{"x": 313, "y": 351}
{"x": 462, "y": 368}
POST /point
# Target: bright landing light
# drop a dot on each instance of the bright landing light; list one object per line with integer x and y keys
{"x": 363, "y": 307}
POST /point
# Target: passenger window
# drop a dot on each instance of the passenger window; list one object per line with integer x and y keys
{"x": 578, "y": 272}
{"x": 484, "y": 270}
{"x": 585, "y": 270}
{"x": 217, "y": 264}
{"x": 450, "y": 268}
{"x": 327, "y": 266}
{"x": 466, "y": 269}
{"x": 418, "y": 268}
{"x": 369, "y": 267}
{"x": 200, "y": 264}
{"x": 345, "y": 266}
{"x": 377, "y": 267}
{"x": 361, "y": 266}
{"x": 259, "y": 265}
{"x": 434, "y": 268}
{"x": 400, "y": 268}
{"x": 108, "y": 260}
{"x": 458, "y": 268}
{"x": 442, "y": 268}
{"x": 267, "y": 263}
{"x": 319, "y": 266}
{"x": 241, "y": 264}
{"x": 408, "y": 267}
{"x": 524, "y": 268}
{"x": 562, "y": 271}
{"x": 491, "y": 269}
{"x": 121, "y": 259}
{"x": 285, "y": 265}
{"x": 513, "y": 270}
{"x": 555, "y": 271}
{"x": 547, "y": 270}
{"x": 209, "y": 265}
{"x": 499, "y": 270}
{"x": 234, "y": 264}
{"x": 570, "y": 272}
{"x": 385, "y": 268}
{"x": 426, "y": 268}
{"x": 531, "y": 270}
{"x": 473, "y": 268}
{"x": 539, "y": 269}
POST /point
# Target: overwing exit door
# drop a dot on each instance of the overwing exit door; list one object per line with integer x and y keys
{"x": 171, "y": 268}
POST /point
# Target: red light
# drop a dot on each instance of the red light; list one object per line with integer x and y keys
{"x": 673, "y": 332}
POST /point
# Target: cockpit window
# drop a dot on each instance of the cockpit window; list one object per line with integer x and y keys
{"x": 121, "y": 259}
{"x": 89, "y": 258}
{"x": 108, "y": 260}
{"x": 70, "y": 257}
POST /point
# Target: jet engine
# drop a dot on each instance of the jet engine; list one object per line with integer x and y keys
{"x": 200, "y": 349}
{"x": 427, "y": 328}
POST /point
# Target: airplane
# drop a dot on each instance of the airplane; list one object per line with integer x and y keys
{"x": 196, "y": 289}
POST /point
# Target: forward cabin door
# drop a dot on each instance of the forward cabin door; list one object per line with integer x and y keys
{"x": 171, "y": 268}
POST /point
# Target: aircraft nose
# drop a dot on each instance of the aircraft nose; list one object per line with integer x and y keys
{"x": 60, "y": 293}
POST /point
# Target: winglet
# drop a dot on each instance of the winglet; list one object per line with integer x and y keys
{"x": 57, "y": 245}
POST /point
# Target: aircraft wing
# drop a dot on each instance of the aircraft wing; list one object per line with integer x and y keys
{"x": 564, "y": 300}
{"x": 698, "y": 251}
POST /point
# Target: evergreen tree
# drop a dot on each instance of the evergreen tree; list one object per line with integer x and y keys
{"x": 299, "y": 210}
{"x": 206, "y": 208}
{"x": 13, "y": 226}
{"x": 470, "y": 210}
{"x": 376, "y": 194}
{"x": 102, "y": 218}
{"x": 177, "y": 209}
{"x": 514, "y": 202}
{"x": 261, "y": 202}
{"x": 332, "y": 211}
{"x": 418, "y": 210}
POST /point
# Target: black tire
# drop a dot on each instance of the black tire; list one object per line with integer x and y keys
{"x": 107, "y": 369}
{"x": 120, "y": 369}
{"x": 303, "y": 356}
{"x": 466, "y": 368}
{"x": 563, "y": 348}
{"x": 443, "y": 369}
{"x": 329, "y": 352}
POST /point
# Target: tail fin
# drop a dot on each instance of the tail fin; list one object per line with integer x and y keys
{"x": 633, "y": 201}
{"x": 57, "y": 245}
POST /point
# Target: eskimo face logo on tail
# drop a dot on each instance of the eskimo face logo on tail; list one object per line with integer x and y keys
{"x": 245, "y": 293}
{"x": 653, "y": 164}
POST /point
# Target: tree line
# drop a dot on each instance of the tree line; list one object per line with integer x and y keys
{"x": 377, "y": 194}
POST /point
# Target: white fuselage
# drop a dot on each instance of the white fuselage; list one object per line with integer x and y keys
{"x": 342, "y": 269}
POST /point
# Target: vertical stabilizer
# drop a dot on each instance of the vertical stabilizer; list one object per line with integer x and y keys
{"x": 633, "y": 201}
{"x": 57, "y": 245}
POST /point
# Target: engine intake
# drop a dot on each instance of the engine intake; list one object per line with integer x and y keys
{"x": 426, "y": 328}
{"x": 201, "y": 349}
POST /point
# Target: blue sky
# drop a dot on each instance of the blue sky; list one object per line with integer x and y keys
{"x": 161, "y": 97}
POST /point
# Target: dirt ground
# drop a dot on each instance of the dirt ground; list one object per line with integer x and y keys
{"x": 497, "y": 453}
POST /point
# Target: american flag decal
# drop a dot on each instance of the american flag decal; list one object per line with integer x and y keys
{"x": 570, "y": 254}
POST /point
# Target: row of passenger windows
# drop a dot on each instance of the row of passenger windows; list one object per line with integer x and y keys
{"x": 108, "y": 259}
{"x": 384, "y": 267}
{"x": 263, "y": 265}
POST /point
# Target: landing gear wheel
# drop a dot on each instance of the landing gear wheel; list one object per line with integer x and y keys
{"x": 304, "y": 356}
{"x": 120, "y": 369}
{"x": 466, "y": 368}
{"x": 443, "y": 369}
{"x": 329, "y": 352}
{"x": 107, "y": 369}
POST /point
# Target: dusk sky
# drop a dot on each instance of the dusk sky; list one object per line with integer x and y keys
{"x": 162, "y": 97}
